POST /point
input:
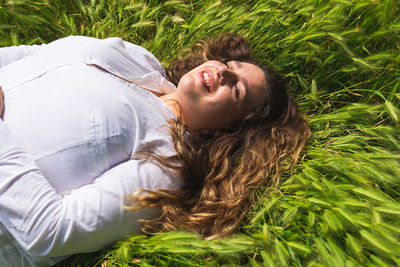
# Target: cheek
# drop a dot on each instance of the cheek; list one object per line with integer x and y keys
{"x": 222, "y": 101}
{"x": 208, "y": 112}
{"x": 202, "y": 114}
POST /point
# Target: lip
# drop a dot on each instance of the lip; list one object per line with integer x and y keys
{"x": 203, "y": 81}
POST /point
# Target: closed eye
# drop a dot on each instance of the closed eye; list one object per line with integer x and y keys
{"x": 236, "y": 88}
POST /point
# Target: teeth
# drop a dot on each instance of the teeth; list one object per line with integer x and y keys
{"x": 206, "y": 78}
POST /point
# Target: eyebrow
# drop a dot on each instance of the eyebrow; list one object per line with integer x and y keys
{"x": 246, "y": 84}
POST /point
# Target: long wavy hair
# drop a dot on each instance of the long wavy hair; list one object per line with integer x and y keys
{"x": 222, "y": 168}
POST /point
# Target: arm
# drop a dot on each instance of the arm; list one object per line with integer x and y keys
{"x": 13, "y": 53}
{"x": 91, "y": 217}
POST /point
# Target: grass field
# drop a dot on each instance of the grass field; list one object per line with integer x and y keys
{"x": 340, "y": 205}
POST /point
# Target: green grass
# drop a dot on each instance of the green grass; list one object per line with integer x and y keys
{"x": 340, "y": 206}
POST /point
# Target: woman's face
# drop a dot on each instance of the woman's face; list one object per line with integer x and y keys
{"x": 214, "y": 95}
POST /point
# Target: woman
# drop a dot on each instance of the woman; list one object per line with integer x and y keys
{"x": 78, "y": 109}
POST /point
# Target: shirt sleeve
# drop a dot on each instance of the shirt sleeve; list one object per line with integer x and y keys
{"x": 48, "y": 224}
{"x": 13, "y": 53}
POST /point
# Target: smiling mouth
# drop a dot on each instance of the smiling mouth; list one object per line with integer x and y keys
{"x": 206, "y": 80}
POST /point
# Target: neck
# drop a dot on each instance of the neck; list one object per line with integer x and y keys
{"x": 172, "y": 103}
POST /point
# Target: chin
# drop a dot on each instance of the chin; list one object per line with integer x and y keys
{"x": 187, "y": 85}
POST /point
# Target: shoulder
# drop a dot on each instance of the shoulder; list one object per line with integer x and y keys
{"x": 116, "y": 51}
{"x": 103, "y": 48}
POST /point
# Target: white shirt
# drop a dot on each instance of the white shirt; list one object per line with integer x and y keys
{"x": 74, "y": 116}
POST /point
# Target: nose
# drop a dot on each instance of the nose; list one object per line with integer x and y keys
{"x": 226, "y": 75}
